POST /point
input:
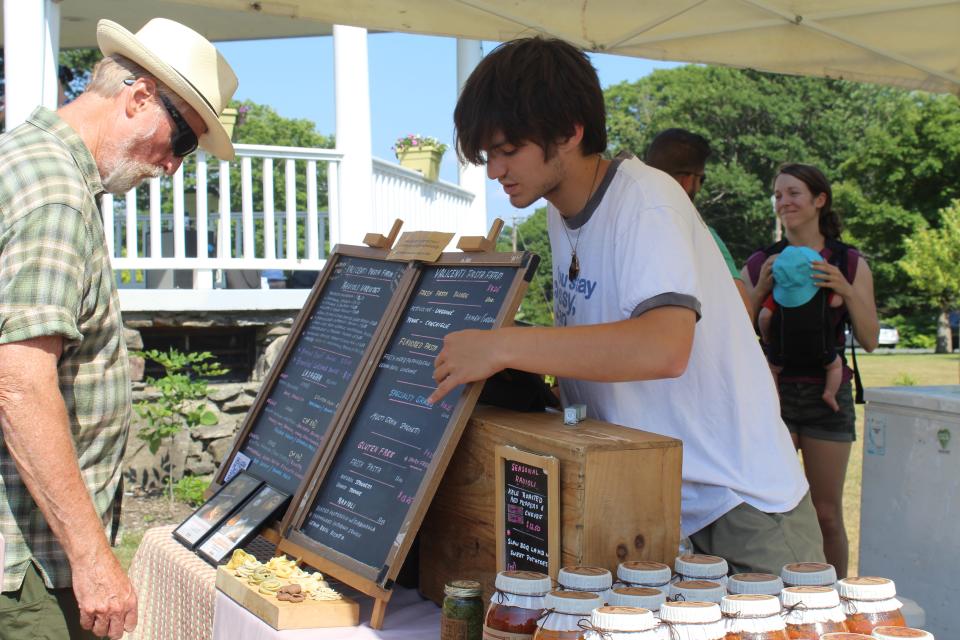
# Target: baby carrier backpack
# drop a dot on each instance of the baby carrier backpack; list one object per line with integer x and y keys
{"x": 803, "y": 339}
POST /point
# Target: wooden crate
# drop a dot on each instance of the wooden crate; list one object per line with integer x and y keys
{"x": 619, "y": 496}
{"x": 308, "y": 614}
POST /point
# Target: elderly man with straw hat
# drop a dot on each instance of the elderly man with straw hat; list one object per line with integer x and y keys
{"x": 64, "y": 380}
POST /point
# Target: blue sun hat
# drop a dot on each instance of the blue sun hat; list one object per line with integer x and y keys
{"x": 793, "y": 283}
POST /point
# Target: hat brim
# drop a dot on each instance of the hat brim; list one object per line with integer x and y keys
{"x": 793, "y": 296}
{"x": 115, "y": 39}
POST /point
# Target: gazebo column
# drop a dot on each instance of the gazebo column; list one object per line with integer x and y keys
{"x": 472, "y": 177}
{"x": 31, "y": 44}
{"x": 352, "y": 82}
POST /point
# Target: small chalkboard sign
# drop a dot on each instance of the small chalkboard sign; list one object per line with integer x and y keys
{"x": 368, "y": 497}
{"x": 527, "y": 511}
{"x": 215, "y": 510}
{"x": 287, "y": 424}
{"x": 238, "y": 529}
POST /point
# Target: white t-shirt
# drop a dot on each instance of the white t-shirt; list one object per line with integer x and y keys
{"x": 641, "y": 245}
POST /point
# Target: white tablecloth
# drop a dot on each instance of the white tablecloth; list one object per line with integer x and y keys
{"x": 409, "y": 617}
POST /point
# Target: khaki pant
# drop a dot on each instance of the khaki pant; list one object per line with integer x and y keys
{"x": 34, "y": 612}
{"x": 753, "y": 541}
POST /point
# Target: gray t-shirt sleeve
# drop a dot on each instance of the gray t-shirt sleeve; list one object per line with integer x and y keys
{"x": 669, "y": 299}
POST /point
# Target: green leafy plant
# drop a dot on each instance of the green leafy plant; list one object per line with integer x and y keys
{"x": 417, "y": 141}
{"x": 182, "y": 389}
{"x": 904, "y": 380}
{"x": 190, "y": 489}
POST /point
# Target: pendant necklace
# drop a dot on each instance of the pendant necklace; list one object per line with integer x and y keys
{"x": 574, "y": 269}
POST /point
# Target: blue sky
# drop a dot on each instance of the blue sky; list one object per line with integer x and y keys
{"x": 413, "y": 88}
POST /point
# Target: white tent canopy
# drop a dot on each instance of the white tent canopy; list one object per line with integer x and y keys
{"x": 907, "y": 43}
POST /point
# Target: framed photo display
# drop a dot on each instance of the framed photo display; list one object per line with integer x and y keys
{"x": 215, "y": 510}
{"x": 240, "y": 527}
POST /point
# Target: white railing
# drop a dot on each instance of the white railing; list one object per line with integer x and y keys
{"x": 274, "y": 218}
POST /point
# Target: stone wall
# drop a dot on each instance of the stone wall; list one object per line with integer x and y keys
{"x": 196, "y": 452}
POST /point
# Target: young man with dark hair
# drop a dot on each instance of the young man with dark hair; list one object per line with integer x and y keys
{"x": 683, "y": 154}
{"x": 634, "y": 269}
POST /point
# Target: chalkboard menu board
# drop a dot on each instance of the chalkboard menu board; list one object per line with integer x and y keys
{"x": 527, "y": 521}
{"x": 381, "y": 462}
{"x": 368, "y": 499}
{"x": 293, "y": 413}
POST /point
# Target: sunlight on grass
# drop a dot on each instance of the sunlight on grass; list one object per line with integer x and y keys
{"x": 129, "y": 542}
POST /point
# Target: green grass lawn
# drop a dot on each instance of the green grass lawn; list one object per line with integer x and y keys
{"x": 888, "y": 370}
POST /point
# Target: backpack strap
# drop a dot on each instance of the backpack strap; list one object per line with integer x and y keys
{"x": 841, "y": 251}
{"x": 776, "y": 247}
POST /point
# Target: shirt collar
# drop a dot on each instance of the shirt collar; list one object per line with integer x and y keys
{"x": 49, "y": 121}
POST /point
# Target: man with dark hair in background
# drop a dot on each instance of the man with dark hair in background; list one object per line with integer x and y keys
{"x": 649, "y": 331}
{"x": 684, "y": 154}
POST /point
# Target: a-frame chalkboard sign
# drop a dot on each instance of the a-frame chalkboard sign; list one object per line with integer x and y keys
{"x": 286, "y": 429}
{"x": 359, "y": 513}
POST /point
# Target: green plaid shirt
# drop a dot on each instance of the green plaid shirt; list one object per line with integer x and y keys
{"x": 55, "y": 279}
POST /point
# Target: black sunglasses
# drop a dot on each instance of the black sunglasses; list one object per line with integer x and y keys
{"x": 183, "y": 140}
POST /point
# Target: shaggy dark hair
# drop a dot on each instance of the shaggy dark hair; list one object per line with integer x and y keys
{"x": 531, "y": 90}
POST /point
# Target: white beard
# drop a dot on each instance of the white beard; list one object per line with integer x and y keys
{"x": 121, "y": 172}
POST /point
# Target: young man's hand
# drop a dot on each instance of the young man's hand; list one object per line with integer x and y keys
{"x": 466, "y": 356}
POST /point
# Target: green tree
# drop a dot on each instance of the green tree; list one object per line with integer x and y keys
{"x": 537, "y": 305}
{"x": 932, "y": 260}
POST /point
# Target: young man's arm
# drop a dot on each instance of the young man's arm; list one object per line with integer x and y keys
{"x": 652, "y": 346}
{"x": 36, "y": 431}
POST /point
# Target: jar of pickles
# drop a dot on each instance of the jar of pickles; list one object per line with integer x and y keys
{"x": 870, "y": 602}
{"x": 589, "y": 579}
{"x": 697, "y": 566}
{"x": 565, "y": 612}
{"x": 755, "y": 583}
{"x": 812, "y": 612}
{"x": 696, "y": 590}
{"x": 808, "y": 574}
{"x": 753, "y": 617}
{"x": 624, "y": 623}
{"x": 693, "y": 620}
{"x": 895, "y": 633}
{"x": 517, "y": 604}
{"x": 644, "y": 573}
{"x": 642, "y": 597}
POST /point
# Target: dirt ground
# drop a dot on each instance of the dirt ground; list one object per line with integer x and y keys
{"x": 142, "y": 512}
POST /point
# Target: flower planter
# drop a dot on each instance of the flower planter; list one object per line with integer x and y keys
{"x": 424, "y": 159}
{"x": 228, "y": 118}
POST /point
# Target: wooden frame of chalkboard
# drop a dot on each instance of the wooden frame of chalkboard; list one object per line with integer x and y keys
{"x": 326, "y": 525}
{"x": 530, "y": 491}
{"x": 359, "y": 340}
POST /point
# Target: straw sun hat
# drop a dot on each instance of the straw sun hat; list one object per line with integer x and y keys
{"x": 184, "y": 61}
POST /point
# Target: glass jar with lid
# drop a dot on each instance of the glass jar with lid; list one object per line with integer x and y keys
{"x": 644, "y": 573}
{"x": 462, "y": 611}
{"x": 693, "y": 620}
{"x": 565, "y": 612}
{"x": 517, "y": 604}
{"x": 642, "y": 597}
{"x": 590, "y": 579}
{"x": 696, "y": 590}
{"x": 811, "y": 612}
{"x": 698, "y": 566}
{"x": 753, "y": 617}
{"x": 870, "y": 602}
{"x": 755, "y": 583}
{"x": 808, "y": 574}
{"x": 896, "y": 633}
{"x": 624, "y": 623}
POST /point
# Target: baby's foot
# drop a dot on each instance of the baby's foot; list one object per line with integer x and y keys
{"x": 831, "y": 400}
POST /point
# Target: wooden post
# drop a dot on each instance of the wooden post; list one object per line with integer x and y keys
{"x": 480, "y": 243}
{"x": 378, "y": 241}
